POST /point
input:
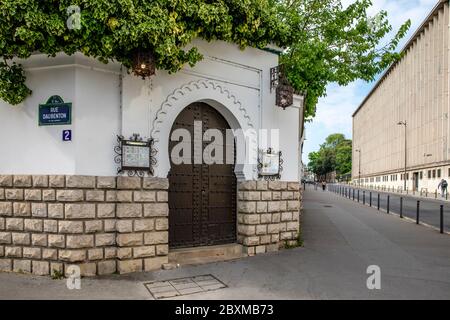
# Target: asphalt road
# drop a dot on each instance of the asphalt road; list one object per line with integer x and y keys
{"x": 429, "y": 209}
{"x": 341, "y": 240}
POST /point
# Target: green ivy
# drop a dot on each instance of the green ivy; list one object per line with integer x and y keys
{"x": 325, "y": 42}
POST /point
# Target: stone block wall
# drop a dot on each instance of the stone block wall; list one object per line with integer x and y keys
{"x": 103, "y": 224}
{"x": 268, "y": 215}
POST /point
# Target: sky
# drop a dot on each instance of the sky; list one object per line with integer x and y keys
{"x": 334, "y": 112}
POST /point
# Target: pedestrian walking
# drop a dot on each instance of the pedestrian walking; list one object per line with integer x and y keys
{"x": 324, "y": 185}
{"x": 443, "y": 186}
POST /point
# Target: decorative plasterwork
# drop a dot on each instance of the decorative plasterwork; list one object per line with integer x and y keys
{"x": 188, "y": 88}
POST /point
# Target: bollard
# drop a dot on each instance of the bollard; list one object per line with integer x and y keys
{"x": 378, "y": 204}
{"x": 388, "y": 200}
{"x": 358, "y": 195}
{"x": 442, "y": 218}
{"x": 370, "y": 199}
{"x": 418, "y": 212}
{"x": 401, "y": 207}
{"x": 353, "y": 194}
{"x": 435, "y": 194}
{"x": 364, "y": 197}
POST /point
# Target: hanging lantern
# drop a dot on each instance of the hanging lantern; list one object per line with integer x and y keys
{"x": 284, "y": 91}
{"x": 143, "y": 63}
{"x": 284, "y": 95}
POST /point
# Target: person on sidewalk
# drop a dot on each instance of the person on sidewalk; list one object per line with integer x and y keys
{"x": 324, "y": 185}
{"x": 443, "y": 186}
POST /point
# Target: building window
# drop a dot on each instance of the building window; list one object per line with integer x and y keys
{"x": 421, "y": 175}
{"x": 434, "y": 174}
{"x": 429, "y": 174}
{"x": 439, "y": 173}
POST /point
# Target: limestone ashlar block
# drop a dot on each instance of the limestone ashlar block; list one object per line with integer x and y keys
{"x": 105, "y": 239}
{"x": 14, "y": 224}
{"x": 80, "y": 211}
{"x": 130, "y": 183}
{"x": 33, "y": 195}
{"x": 69, "y": 195}
{"x": 6, "y": 208}
{"x": 151, "y": 183}
{"x": 79, "y": 241}
{"x": 6, "y": 180}
{"x": 106, "y": 182}
{"x": 14, "y": 194}
{"x": 106, "y": 267}
{"x": 41, "y": 268}
{"x": 72, "y": 255}
{"x": 22, "y": 181}
{"x": 129, "y": 210}
{"x": 40, "y": 181}
{"x": 65, "y": 226}
{"x": 144, "y": 196}
{"x": 22, "y": 209}
{"x": 22, "y": 266}
{"x": 95, "y": 195}
{"x": 80, "y": 182}
{"x": 247, "y": 185}
{"x": 56, "y": 241}
{"x": 106, "y": 210}
{"x": 129, "y": 266}
{"x": 130, "y": 239}
{"x": 55, "y": 210}
{"x": 161, "y": 237}
{"x": 5, "y": 238}
{"x": 39, "y": 210}
{"x": 155, "y": 263}
{"x": 156, "y": 210}
{"x": 144, "y": 252}
{"x": 56, "y": 181}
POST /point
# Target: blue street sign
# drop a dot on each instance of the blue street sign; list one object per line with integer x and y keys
{"x": 67, "y": 135}
{"x": 55, "y": 112}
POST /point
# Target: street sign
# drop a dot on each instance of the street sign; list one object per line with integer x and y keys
{"x": 55, "y": 112}
{"x": 67, "y": 135}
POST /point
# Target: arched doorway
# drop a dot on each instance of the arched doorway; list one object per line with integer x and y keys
{"x": 202, "y": 197}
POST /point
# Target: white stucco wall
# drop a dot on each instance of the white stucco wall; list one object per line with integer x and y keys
{"x": 235, "y": 82}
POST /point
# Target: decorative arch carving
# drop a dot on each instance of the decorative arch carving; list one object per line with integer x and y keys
{"x": 190, "y": 87}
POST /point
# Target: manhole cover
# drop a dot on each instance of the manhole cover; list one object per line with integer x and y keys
{"x": 183, "y": 286}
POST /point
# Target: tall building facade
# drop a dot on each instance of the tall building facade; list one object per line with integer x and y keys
{"x": 403, "y": 125}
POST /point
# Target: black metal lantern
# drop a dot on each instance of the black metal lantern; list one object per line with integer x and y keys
{"x": 284, "y": 93}
{"x": 143, "y": 63}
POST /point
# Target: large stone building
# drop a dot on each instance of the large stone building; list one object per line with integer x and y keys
{"x": 412, "y": 95}
{"x": 62, "y": 201}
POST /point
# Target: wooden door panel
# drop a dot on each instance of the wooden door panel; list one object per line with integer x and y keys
{"x": 202, "y": 198}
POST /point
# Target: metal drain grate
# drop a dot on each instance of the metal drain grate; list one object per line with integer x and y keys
{"x": 183, "y": 286}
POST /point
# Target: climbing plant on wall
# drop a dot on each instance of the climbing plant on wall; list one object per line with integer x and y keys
{"x": 324, "y": 42}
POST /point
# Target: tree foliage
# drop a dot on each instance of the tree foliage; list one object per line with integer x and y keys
{"x": 333, "y": 44}
{"x": 335, "y": 154}
{"x": 325, "y": 43}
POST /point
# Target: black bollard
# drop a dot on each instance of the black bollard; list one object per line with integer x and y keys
{"x": 418, "y": 212}
{"x": 401, "y": 207}
{"x": 370, "y": 199}
{"x": 442, "y": 218}
{"x": 378, "y": 204}
{"x": 388, "y": 200}
{"x": 364, "y": 197}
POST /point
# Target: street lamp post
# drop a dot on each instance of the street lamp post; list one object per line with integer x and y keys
{"x": 404, "y": 123}
{"x": 359, "y": 167}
